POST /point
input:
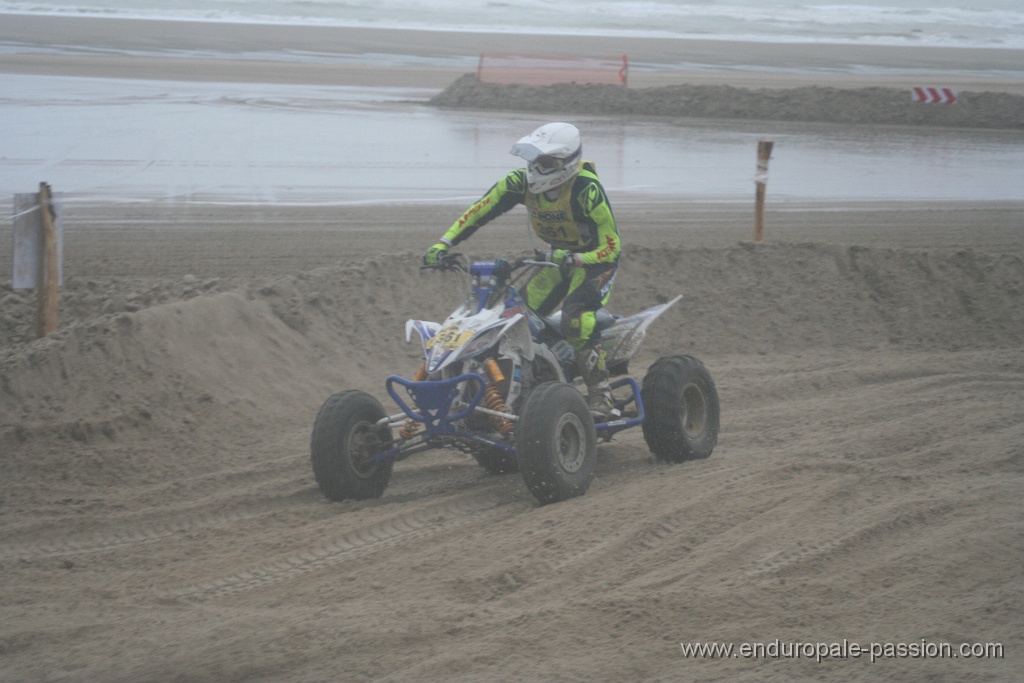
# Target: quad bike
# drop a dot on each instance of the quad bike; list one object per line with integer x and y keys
{"x": 496, "y": 383}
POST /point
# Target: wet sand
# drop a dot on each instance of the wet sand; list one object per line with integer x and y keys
{"x": 677, "y": 60}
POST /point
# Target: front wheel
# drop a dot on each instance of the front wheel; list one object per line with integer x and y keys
{"x": 682, "y": 408}
{"x": 345, "y": 437}
{"x": 556, "y": 443}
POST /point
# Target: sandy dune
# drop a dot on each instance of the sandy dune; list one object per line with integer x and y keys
{"x": 160, "y": 522}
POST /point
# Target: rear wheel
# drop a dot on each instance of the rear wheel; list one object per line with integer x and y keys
{"x": 345, "y": 437}
{"x": 556, "y": 443}
{"x": 682, "y": 408}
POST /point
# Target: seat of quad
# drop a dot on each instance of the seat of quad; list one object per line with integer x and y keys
{"x": 604, "y": 320}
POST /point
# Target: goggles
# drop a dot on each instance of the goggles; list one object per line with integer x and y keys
{"x": 546, "y": 164}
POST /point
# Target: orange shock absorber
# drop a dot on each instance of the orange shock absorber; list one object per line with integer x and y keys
{"x": 493, "y": 400}
{"x": 408, "y": 429}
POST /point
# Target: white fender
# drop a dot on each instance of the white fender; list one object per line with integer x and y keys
{"x": 424, "y": 328}
{"x": 518, "y": 341}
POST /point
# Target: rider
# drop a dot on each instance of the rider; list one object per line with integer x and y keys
{"x": 568, "y": 209}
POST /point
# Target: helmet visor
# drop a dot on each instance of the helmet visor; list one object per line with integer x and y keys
{"x": 526, "y": 150}
{"x": 537, "y": 161}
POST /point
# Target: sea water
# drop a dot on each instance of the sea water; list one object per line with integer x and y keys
{"x": 113, "y": 139}
{"x": 979, "y": 23}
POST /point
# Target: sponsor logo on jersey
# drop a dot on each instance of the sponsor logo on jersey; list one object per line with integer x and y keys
{"x": 473, "y": 210}
{"x": 608, "y": 249}
{"x": 549, "y": 216}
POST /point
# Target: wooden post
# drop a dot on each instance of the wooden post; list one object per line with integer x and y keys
{"x": 764, "y": 152}
{"x": 49, "y": 268}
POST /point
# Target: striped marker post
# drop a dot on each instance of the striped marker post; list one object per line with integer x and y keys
{"x": 764, "y": 153}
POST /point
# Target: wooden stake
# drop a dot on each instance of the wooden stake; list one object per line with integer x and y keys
{"x": 49, "y": 273}
{"x": 764, "y": 152}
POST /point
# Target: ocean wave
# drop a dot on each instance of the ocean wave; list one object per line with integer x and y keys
{"x": 992, "y": 23}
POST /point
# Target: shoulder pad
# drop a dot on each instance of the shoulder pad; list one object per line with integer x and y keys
{"x": 515, "y": 181}
{"x": 589, "y": 194}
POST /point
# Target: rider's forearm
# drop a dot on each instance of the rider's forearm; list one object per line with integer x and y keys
{"x": 608, "y": 247}
{"x": 500, "y": 198}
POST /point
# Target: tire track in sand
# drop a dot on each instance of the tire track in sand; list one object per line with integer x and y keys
{"x": 140, "y": 535}
{"x": 876, "y": 533}
{"x": 592, "y": 556}
{"x": 416, "y": 524}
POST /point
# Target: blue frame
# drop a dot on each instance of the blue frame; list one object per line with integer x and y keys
{"x": 430, "y": 401}
{"x": 611, "y": 427}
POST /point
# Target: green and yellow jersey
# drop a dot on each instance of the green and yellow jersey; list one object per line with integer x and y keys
{"x": 579, "y": 219}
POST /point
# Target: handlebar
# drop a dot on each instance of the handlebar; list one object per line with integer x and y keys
{"x": 449, "y": 261}
{"x": 525, "y": 261}
{"x": 457, "y": 261}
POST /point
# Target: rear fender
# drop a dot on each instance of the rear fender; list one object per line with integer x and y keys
{"x": 646, "y": 316}
{"x": 623, "y": 338}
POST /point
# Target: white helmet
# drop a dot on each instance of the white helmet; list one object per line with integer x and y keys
{"x": 552, "y": 154}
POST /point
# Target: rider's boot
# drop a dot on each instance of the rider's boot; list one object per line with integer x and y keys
{"x": 591, "y": 360}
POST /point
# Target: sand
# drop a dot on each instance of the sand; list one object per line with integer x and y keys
{"x": 159, "y": 520}
{"x": 887, "y": 106}
{"x": 150, "y": 49}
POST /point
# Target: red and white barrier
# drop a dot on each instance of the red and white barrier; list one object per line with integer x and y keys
{"x": 934, "y": 95}
{"x": 505, "y": 69}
